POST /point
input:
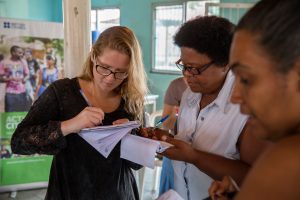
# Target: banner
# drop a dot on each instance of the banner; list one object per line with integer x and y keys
{"x": 31, "y": 58}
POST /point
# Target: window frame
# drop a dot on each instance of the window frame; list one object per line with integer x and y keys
{"x": 182, "y": 3}
{"x": 104, "y": 8}
{"x": 153, "y": 30}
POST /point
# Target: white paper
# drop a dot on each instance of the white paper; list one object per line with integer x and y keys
{"x": 105, "y": 138}
{"x": 141, "y": 150}
{"x": 131, "y": 124}
{"x": 133, "y": 148}
{"x": 163, "y": 146}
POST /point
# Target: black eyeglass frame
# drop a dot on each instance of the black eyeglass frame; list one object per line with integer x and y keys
{"x": 193, "y": 70}
{"x": 110, "y": 72}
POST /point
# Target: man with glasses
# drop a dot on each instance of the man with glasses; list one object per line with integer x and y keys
{"x": 213, "y": 139}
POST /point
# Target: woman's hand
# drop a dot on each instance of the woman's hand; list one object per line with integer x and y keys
{"x": 146, "y": 132}
{"x": 87, "y": 118}
{"x": 180, "y": 150}
{"x": 120, "y": 121}
{"x": 223, "y": 190}
{"x": 154, "y": 133}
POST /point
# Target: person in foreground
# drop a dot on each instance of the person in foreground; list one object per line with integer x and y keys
{"x": 213, "y": 138}
{"x": 265, "y": 57}
{"x": 110, "y": 90}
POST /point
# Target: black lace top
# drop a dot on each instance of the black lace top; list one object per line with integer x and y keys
{"x": 78, "y": 170}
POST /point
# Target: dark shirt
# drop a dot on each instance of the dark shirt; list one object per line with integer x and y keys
{"x": 78, "y": 170}
{"x": 33, "y": 67}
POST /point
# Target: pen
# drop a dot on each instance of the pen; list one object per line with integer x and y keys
{"x": 161, "y": 120}
{"x": 86, "y": 99}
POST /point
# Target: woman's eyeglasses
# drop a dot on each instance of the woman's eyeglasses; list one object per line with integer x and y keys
{"x": 106, "y": 72}
{"x": 193, "y": 70}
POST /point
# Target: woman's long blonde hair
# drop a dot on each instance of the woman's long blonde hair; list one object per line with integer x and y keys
{"x": 134, "y": 87}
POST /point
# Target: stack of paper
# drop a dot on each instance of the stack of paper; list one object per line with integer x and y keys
{"x": 134, "y": 148}
{"x": 105, "y": 138}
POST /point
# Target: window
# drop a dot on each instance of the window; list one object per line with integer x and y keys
{"x": 166, "y": 21}
{"x": 231, "y": 11}
{"x": 102, "y": 19}
{"x": 168, "y": 18}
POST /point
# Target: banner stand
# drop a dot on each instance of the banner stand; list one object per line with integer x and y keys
{"x": 27, "y": 186}
{"x": 43, "y": 48}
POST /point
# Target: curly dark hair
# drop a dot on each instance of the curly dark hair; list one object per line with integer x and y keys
{"x": 210, "y": 35}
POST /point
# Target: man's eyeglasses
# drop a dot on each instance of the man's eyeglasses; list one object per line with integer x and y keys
{"x": 106, "y": 72}
{"x": 193, "y": 70}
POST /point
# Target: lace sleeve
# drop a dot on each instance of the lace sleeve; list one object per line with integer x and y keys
{"x": 40, "y": 132}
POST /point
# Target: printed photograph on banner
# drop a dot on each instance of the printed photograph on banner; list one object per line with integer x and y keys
{"x": 28, "y": 65}
{"x": 5, "y": 151}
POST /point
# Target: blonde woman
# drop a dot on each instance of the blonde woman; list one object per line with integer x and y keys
{"x": 110, "y": 90}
